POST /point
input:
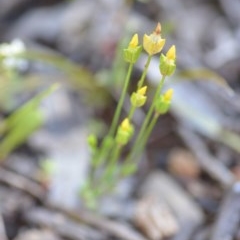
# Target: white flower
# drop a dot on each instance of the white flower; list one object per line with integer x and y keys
{"x": 10, "y": 53}
{"x": 12, "y": 49}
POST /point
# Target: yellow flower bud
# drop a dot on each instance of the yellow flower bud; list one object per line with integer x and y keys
{"x": 124, "y": 132}
{"x": 92, "y": 141}
{"x": 134, "y": 41}
{"x": 171, "y": 54}
{"x": 163, "y": 103}
{"x": 132, "y": 53}
{"x": 138, "y": 98}
{"x": 168, "y": 63}
{"x": 125, "y": 125}
{"x": 153, "y": 43}
{"x": 168, "y": 95}
{"x": 142, "y": 90}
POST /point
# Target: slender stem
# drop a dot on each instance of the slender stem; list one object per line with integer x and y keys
{"x": 140, "y": 84}
{"x": 141, "y": 81}
{"x": 109, "y": 172}
{"x": 131, "y": 112}
{"x": 143, "y": 142}
{"x": 146, "y": 121}
{"x": 147, "y": 134}
{"x": 115, "y": 154}
{"x": 120, "y": 102}
{"x": 103, "y": 150}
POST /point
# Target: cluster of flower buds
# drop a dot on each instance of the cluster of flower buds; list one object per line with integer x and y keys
{"x": 125, "y": 132}
{"x": 152, "y": 44}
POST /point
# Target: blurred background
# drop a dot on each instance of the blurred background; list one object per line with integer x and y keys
{"x": 187, "y": 186}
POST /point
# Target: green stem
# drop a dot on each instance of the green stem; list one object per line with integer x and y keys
{"x": 141, "y": 81}
{"x": 115, "y": 155}
{"x": 143, "y": 142}
{"x": 146, "y": 121}
{"x": 147, "y": 134}
{"x": 140, "y": 84}
{"x": 131, "y": 112}
{"x": 103, "y": 151}
{"x": 120, "y": 102}
{"x": 108, "y": 175}
{"x": 99, "y": 157}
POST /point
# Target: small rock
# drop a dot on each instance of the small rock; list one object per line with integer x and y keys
{"x": 183, "y": 164}
{"x": 188, "y": 214}
{"x": 37, "y": 235}
{"x": 155, "y": 218}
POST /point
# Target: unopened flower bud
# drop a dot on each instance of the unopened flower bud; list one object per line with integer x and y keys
{"x": 125, "y": 132}
{"x": 92, "y": 141}
{"x": 134, "y": 41}
{"x": 163, "y": 103}
{"x": 138, "y": 98}
{"x": 171, "y": 54}
{"x": 168, "y": 63}
{"x": 132, "y": 53}
{"x": 153, "y": 43}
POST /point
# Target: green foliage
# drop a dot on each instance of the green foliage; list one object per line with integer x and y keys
{"x": 20, "y": 124}
{"x": 17, "y": 127}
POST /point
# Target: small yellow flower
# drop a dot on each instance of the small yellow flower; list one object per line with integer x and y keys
{"x": 142, "y": 90}
{"x": 125, "y": 132}
{"x": 167, "y": 96}
{"x": 134, "y": 41}
{"x": 125, "y": 125}
{"x": 168, "y": 62}
{"x": 153, "y": 43}
{"x": 171, "y": 54}
{"x": 138, "y": 99}
{"x": 132, "y": 53}
{"x": 163, "y": 103}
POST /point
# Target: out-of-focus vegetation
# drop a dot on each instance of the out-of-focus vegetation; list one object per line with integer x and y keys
{"x": 19, "y": 122}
